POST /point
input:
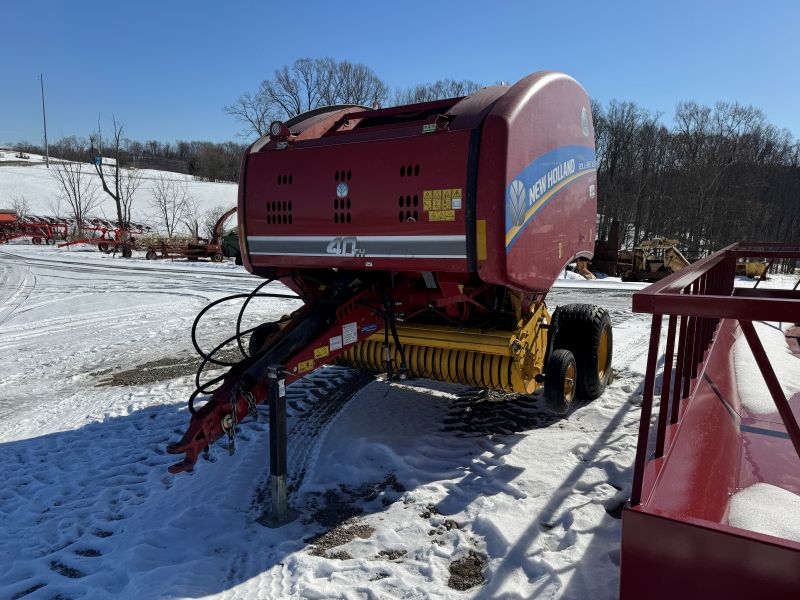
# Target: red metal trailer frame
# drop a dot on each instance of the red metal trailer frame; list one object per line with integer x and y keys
{"x": 39, "y": 229}
{"x": 676, "y": 538}
{"x": 109, "y": 235}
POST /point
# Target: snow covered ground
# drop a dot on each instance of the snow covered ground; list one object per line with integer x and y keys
{"x": 419, "y": 490}
{"x": 38, "y": 187}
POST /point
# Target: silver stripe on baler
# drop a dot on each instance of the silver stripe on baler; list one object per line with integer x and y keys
{"x": 369, "y": 246}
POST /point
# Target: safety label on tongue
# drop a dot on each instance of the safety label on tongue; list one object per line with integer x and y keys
{"x": 336, "y": 343}
{"x": 349, "y": 333}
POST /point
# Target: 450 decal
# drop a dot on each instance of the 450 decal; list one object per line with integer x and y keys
{"x": 345, "y": 246}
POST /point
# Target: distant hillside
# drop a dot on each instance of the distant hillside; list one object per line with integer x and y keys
{"x": 36, "y": 184}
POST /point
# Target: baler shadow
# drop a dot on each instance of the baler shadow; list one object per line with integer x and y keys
{"x": 94, "y": 508}
{"x": 603, "y": 550}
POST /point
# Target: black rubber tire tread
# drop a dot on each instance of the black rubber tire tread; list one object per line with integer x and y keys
{"x": 260, "y": 336}
{"x": 151, "y": 255}
{"x": 578, "y": 328}
{"x": 555, "y": 372}
{"x": 126, "y": 252}
{"x": 102, "y": 247}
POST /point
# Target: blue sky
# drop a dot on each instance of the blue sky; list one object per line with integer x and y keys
{"x": 166, "y": 68}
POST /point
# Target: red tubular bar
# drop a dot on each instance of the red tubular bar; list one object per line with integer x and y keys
{"x": 665, "y": 385}
{"x": 774, "y": 386}
{"x": 677, "y": 540}
{"x": 647, "y": 406}
{"x": 701, "y": 295}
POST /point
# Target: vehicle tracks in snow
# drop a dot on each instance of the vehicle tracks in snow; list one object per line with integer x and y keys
{"x": 16, "y": 284}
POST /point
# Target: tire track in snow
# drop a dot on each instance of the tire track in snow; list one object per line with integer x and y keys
{"x": 15, "y": 287}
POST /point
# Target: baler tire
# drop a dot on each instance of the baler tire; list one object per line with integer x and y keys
{"x": 151, "y": 255}
{"x": 585, "y": 330}
{"x": 127, "y": 252}
{"x": 50, "y": 241}
{"x": 260, "y": 336}
{"x": 36, "y": 240}
{"x": 560, "y": 381}
{"x": 102, "y": 247}
{"x": 217, "y": 257}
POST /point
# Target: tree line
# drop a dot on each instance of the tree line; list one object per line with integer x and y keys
{"x": 205, "y": 161}
{"x": 715, "y": 175}
{"x": 718, "y": 174}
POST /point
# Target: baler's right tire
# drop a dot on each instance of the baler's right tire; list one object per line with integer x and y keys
{"x": 560, "y": 378}
{"x": 151, "y": 255}
{"x": 103, "y": 246}
{"x": 36, "y": 240}
{"x": 585, "y": 330}
{"x": 261, "y": 336}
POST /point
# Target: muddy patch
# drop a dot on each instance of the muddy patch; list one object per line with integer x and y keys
{"x": 466, "y": 572}
{"x": 339, "y": 512}
{"x": 340, "y": 535}
{"x": 149, "y": 372}
{"x": 391, "y": 554}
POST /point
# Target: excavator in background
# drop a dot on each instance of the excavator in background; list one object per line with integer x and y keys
{"x": 651, "y": 260}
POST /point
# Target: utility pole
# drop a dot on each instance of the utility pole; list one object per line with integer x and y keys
{"x": 44, "y": 118}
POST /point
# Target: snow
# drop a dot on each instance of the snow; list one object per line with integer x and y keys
{"x": 753, "y": 391}
{"x": 427, "y": 472}
{"x": 38, "y": 186}
{"x": 768, "y": 509}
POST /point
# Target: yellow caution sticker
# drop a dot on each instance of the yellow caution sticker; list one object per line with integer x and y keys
{"x": 321, "y": 352}
{"x": 444, "y": 200}
{"x": 305, "y": 366}
{"x": 442, "y": 215}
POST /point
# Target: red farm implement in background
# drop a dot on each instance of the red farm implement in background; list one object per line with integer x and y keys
{"x": 202, "y": 248}
{"x": 108, "y": 235}
{"x": 706, "y": 445}
{"x": 39, "y": 229}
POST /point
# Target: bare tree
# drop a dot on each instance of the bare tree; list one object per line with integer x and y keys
{"x": 438, "y": 90}
{"x": 125, "y": 182}
{"x": 20, "y": 205}
{"x": 77, "y": 189}
{"x": 171, "y": 200}
{"x": 210, "y": 218}
{"x": 192, "y": 218}
{"x": 254, "y": 111}
{"x": 306, "y": 84}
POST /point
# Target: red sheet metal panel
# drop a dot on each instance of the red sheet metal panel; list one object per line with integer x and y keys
{"x": 388, "y": 204}
{"x": 537, "y": 182}
{"x": 664, "y": 559}
{"x": 502, "y": 183}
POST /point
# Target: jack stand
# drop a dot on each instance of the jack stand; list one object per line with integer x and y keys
{"x": 279, "y": 513}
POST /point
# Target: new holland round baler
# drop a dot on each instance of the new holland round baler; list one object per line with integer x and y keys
{"x": 422, "y": 240}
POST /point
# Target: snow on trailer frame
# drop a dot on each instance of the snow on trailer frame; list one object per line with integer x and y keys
{"x": 39, "y": 229}
{"x": 201, "y": 248}
{"x": 676, "y": 536}
{"x": 109, "y": 235}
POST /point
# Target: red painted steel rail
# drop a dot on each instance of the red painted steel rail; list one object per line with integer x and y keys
{"x": 677, "y": 540}
{"x": 696, "y": 299}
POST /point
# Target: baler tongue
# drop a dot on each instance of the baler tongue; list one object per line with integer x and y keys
{"x": 301, "y": 345}
{"x": 208, "y": 424}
